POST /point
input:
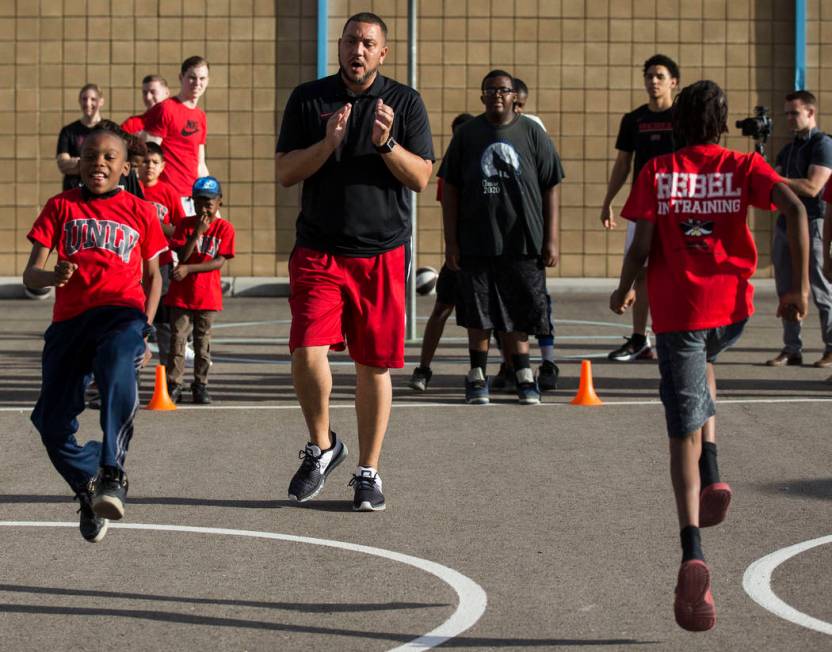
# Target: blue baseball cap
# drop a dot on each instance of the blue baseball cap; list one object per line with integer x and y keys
{"x": 206, "y": 187}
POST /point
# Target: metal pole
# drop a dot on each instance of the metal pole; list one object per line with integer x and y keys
{"x": 411, "y": 81}
{"x": 799, "y": 45}
{"x": 323, "y": 37}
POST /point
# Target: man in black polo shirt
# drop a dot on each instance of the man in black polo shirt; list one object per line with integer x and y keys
{"x": 644, "y": 133}
{"x": 360, "y": 142}
{"x": 806, "y": 165}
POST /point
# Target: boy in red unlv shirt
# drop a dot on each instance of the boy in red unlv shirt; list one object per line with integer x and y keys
{"x": 203, "y": 243}
{"x": 107, "y": 243}
{"x": 690, "y": 213}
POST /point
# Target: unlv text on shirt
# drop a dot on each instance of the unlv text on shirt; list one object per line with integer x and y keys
{"x": 100, "y": 234}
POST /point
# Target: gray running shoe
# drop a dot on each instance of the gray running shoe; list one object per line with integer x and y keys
{"x": 368, "y": 496}
{"x": 315, "y": 467}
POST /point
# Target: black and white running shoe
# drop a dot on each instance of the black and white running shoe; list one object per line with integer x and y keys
{"x": 110, "y": 493}
{"x": 93, "y": 528}
{"x": 368, "y": 496}
{"x": 315, "y": 467}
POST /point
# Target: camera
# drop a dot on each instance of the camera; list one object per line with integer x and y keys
{"x": 758, "y": 127}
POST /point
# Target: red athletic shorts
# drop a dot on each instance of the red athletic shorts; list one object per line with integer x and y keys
{"x": 358, "y": 300}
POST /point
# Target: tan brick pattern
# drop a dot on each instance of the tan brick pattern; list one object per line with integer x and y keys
{"x": 582, "y": 61}
{"x": 580, "y": 58}
{"x": 50, "y": 48}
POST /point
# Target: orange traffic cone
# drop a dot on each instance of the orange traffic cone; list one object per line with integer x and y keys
{"x": 161, "y": 398}
{"x": 586, "y": 392}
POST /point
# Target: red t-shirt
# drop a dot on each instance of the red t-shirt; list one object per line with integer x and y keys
{"x": 168, "y": 207}
{"x": 827, "y": 193}
{"x": 201, "y": 290}
{"x": 703, "y": 253}
{"x": 108, "y": 238}
{"x": 182, "y": 131}
{"x": 134, "y": 124}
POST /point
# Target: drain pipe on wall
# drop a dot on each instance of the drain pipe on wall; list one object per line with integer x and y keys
{"x": 799, "y": 45}
{"x": 323, "y": 37}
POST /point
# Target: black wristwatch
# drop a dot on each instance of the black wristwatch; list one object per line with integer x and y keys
{"x": 388, "y": 147}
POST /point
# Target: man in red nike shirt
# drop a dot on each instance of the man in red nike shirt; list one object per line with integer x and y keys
{"x": 180, "y": 127}
{"x": 154, "y": 90}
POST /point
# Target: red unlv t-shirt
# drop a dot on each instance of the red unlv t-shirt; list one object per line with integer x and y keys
{"x": 168, "y": 208}
{"x": 182, "y": 131}
{"x": 703, "y": 253}
{"x": 108, "y": 238}
{"x": 201, "y": 290}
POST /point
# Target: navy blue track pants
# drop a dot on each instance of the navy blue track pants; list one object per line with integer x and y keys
{"x": 107, "y": 342}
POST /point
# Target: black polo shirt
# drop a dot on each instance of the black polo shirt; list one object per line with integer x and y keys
{"x": 794, "y": 161}
{"x": 353, "y": 205}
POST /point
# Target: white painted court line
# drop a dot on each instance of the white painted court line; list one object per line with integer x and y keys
{"x": 461, "y": 404}
{"x": 472, "y": 597}
{"x": 757, "y": 583}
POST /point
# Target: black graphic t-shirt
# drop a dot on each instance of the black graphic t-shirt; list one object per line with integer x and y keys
{"x": 501, "y": 173}
{"x": 647, "y": 133}
{"x": 70, "y": 141}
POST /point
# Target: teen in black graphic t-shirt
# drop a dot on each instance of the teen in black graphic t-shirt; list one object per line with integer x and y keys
{"x": 73, "y": 135}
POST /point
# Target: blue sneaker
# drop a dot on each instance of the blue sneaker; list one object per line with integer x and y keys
{"x": 476, "y": 388}
{"x": 527, "y": 390}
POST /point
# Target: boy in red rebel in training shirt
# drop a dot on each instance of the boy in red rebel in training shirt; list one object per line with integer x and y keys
{"x": 107, "y": 243}
{"x": 203, "y": 243}
{"x": 690, "y": 213}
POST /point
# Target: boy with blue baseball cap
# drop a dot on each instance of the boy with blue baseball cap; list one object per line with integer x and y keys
{"x": 203, "y": 243}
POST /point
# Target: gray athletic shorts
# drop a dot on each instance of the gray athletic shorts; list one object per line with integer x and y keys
{"x": 683, "y": 358}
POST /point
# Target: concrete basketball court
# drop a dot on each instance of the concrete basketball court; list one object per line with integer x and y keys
{"x": 507, "y": 527}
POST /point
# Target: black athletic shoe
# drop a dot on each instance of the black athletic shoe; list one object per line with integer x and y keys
{"x": 547, "y": 376}
{"x": 368, "y": 496}
{"x": 504, "y": 381}
{"x": 631, "y": 350}
{"x": 316, "y": 466}
{"x": 110, "y": 493}
{"x": 200, "y": 394}
{"x": 420, "y": 379}
{"x": 175, "y": 392}
{"x": 93, "y": 528}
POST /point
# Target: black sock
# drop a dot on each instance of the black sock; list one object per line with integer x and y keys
{"x": 708, "y": 470}
{"x": 520, "y": 361}
{"x": 478, "y": 359}
{"x": 691, "y": 548}
{"x": 638, "y": 339}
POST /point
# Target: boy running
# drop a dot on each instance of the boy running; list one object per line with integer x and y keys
{"x": 107, "y": 243}
{"x": 690, "y": 213}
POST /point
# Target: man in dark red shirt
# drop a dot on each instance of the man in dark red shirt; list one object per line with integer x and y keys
{"x": 690, "y": 208}
{"x": 154, "y": 90}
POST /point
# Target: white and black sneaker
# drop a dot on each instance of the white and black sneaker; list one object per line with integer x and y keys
{"x": 315, "y": 466}
{"x": 110, "y": 493}
{"x": 93, "y": 527}
{"x": 368, "y": 496}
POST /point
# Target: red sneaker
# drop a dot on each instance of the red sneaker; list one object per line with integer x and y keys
{"x": 713, "y": 504}
{"x": 694, "y": 605}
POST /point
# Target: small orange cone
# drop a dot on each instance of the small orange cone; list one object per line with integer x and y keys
{"x": 161, "y": 398}
{"x": 586, "y": 392}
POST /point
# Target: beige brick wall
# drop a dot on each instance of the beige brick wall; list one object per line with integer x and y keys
{"x": 582, "y": 61}
{"x": 580, "y": 58}
{"x": 50, "y": 48}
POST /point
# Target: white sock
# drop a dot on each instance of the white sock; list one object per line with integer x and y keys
{"x": 547, "y": 352}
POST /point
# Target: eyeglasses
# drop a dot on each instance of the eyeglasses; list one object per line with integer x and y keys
{"x": 502, "y": 91}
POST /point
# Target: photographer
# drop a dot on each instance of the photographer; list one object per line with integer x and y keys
{"x": 806, "y": 165}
